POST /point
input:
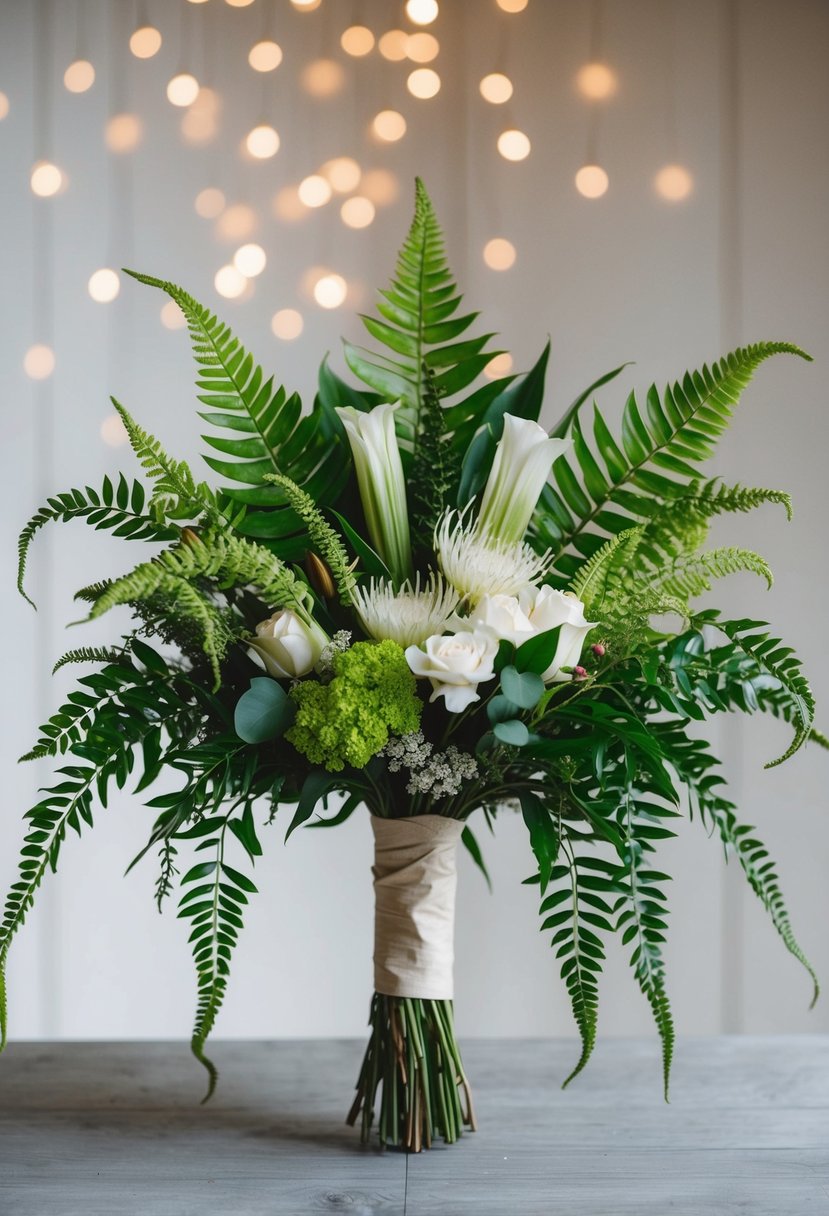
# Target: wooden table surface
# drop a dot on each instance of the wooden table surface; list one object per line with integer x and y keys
{"x": 109, "y": 1129}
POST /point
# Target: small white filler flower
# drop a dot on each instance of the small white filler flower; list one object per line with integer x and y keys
{"x": 477, "y": 564}
{"x": 408, "y": 616}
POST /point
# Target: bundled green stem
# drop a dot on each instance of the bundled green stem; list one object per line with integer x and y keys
{"x": 414, "y": 1059}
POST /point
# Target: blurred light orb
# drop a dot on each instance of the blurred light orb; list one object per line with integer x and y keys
{"x": 499, "y": 253}
{"x": 104, "y": 285}
{"x": 238, "y": 3}
{"x": 265, "y": 56}
{"x": 171, "y": 316}
{"x": 422, "y": 47}
{"x": 393, "y": 45}
{"x": 389, "y": 125}
{"x": 287, "y": 324}
{"x": 250, "y": 260}
{"x": 330, "y": 291}
{"x": 113, "y": 432}
{"x": 182, "y": 89}
{"x": 46, "y": 179}
{"x": 236, "y": 222}
{"x": 674, "y": 183}
{"x": 145, "y": 42}
{"x": 596, "y": 81}
{"x": 306, "y": 6}
{"x": 514, "y": 145}
{"x": 343, "y": 173}
{"x": 512, "y": 6}
{"x": 422, "y": 12}
{"x": 357, "y": 40}
{"x": 262, "y": 142}
{"x": 4, "y": 106}
{"x": 501, "y": 365}
{"x": 357, "y": 212}
{"x": 39, "y": 362}
{"x": 288, "y": 206}
{"x": 229, "y": 282}
{"x": 423, "y": 83}
{"x": 496, "y": 88}
{"x": 123, "y": 132}
{"x": 592, "y": 181}
{"x": 79, "y": 76}
{"x": 323, "y": 77}
{"x": 209, "y": 203}
{"x": 314, "y": 190}
{"x": 380, "y": 186}
{"x": 198, "y": 1}
{"x": 198, "y": 126}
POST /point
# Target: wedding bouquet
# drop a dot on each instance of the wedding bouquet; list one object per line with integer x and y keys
{"x": 413, "y": 598}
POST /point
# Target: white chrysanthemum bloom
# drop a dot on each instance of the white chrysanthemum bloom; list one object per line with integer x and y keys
{"x": 408, "y": 616}
{"x": 477, "y": 564}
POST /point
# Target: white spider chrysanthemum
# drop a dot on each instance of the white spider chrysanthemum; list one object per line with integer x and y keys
{"x": 408, "y": 616}
{"x": 477, "y": 564}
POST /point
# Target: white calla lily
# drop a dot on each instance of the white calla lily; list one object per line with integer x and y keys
{"x": 519, "y": 472}
{"x": 382, "y": 486}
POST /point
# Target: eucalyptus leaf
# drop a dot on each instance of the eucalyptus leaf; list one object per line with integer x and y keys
{"x": 264, "y": 712}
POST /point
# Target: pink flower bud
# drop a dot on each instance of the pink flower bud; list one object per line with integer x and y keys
{"x": 598, "y": 649}
{"x": 579, "y": 673}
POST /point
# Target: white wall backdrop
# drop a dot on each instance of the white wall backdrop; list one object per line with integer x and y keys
{"x": 627, "y": 276}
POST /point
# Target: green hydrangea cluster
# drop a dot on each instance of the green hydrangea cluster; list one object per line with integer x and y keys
{"x": 349, "y": 720}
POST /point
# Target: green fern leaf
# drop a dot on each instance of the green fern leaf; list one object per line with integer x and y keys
{"x": 176, "y": 492}
{"x": 692, "y": 576}
{"x": 323, "y": 537}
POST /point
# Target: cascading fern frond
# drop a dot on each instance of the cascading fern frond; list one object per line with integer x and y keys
{"x": 323, "y": 537}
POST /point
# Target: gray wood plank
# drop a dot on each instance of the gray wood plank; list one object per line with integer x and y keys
{"x": 116, "y": 1129}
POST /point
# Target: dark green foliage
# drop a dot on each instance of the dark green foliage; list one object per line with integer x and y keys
{"x": 435, "y": 468}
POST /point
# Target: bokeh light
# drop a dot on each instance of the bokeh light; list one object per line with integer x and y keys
{"x": 323, "y": 77}
{"x": 79, "y": 76}
{"x": 501, "y": 365}
{"x": 306, "y": 6}
{"x": 393, "y": 45}
{"x": 422, "y": 47}
{"x": 238, "y": 3}
{"x": 674, "y": 183}
{"x": 113, "y": 432}
{"x": 39, "y": 362}
{"x": 422, "y": 12}
{"x": 381, "y": 186}
{"x": 265, "y": 56}
{"x": 314, "y": 190}
{"x": 514, "y": 145}
{"x": 182, "y": 89}
{"x": 104, "y": 285}
{"x": 357, "y": 40}
{"x": 229, "y": 282}
{"x": 330, "y": 291}
{"x": 123, "y": 132}
{"x": 389, "y": 125}
{"x": 250, "y": 260}
{"x": 145, "y": 42}
{"x": 209, "y": 203}
{"x": 496, "y": 88}
{"x": 357, "y": 212}
{"x": 423, "y": 83}
{"x": 236, "y": 222}
{"x": 46, "y": 179}
{"x": 171, "y": 316}
{"x": 262, "y": 142}
{"x": 199, "y": 124}
{"x": 512, "y": 6}
{"x": 596, "y": 81}
{"x": 4, "y": 106}
{"x": 343, "y": 174}
{"x": 288, "y": 206}
{"x": 287, "y": 324}
{"x": 592, "y": 181}
{"x": 499, "y": 253}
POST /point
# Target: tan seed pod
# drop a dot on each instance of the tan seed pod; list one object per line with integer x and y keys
{"x": 319, "y": 575}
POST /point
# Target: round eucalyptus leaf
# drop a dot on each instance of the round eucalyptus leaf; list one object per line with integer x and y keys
{"x": 523, "y": 688}
{"x": 513, "y": 732}
{"x": 264, "y": 711}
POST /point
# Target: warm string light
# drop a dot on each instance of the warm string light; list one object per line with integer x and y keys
{"x": 380, "y": 186}
{"x": 592, "y": 181}
{"x": 423, "y": 83}
{"x": 499, "y": 253}
{"x": 389, "y": 126}
{"x": 47, "y": 179}
{"x": 512, "y": 6}
{"x": 501, "y": 365}
{"x": 4, "y": 106}
{"x": 265, "y": 55}
{"x": 238, "y": 3}
{"x": 123, "y": 132}
{"x": 393, "y": 45}
{"x": 342, "y": 173}
{"x": 596, "y": 81}
{"x": 288, "y": 206}
{"x": 182, "y": 89}
{"x": 113, "y": 432}
{"x": 357, "y": 212}
{"x": 79, "y": 76}
{"x": 323, "y": 77}
{"x": 236, "y": 222}
{"x": 330, "y": 290}
{"x": 287, "y": 324}
{"x": 250, "y": 260}
{"x": 514, "y": 145}
{"x": 422, "y": 12}
{"x": 262, "y": 142}
{"x": 306, "y": 6}
{"x": 229, "y": 282}
{"x": 673, "y": 183}
{"x": 357, "y": 40}
{"x": 39, "y": 361}
{"x": 171, "y": 316}
{"x": 145, "y": 42}
{"x": 314, "y": 190}
{"x": 209, "y": 203}
{"x": 200, "y": 122}
{"x": 422, "y": 47}
{"x": 496, "y": 88}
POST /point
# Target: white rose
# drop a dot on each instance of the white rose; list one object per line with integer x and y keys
{"x": 455, "y": 665}
{"x": 501, "y": 615}
{"x": 546, "y": 608}
{"x": 287, "y": 646}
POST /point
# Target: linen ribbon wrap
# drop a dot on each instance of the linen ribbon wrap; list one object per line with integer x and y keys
{"x": 414, "y": 905}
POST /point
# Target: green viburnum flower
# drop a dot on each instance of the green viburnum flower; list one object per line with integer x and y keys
{"x": 349, "y": 720}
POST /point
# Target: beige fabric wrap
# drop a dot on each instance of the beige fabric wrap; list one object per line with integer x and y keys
{"x": 414, "y": 905}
